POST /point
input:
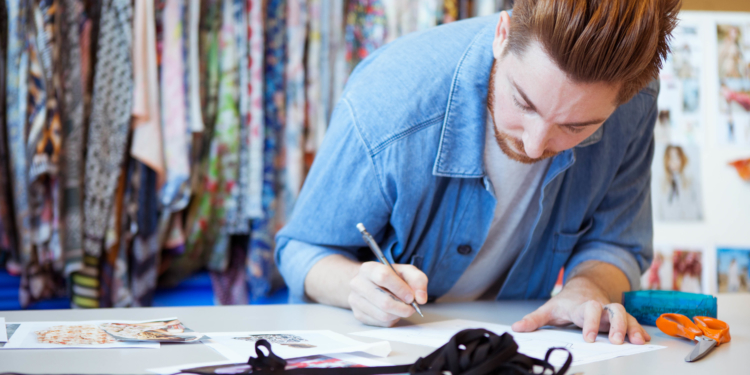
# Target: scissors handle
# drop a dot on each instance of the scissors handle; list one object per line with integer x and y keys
{"x": 714, "y": 329}
{"x": 678, "y": 325}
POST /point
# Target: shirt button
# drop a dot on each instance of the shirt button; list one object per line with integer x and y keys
{"x": 464, "y": 249}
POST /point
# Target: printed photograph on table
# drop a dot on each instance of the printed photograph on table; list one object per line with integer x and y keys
{"x": 659, "y": 275}
{"x": 680, "y": 112}
{"x": 65, "y": 335}
{"x": 169, "y": 330}
{"x": 733, "y": 269}
{"x": 734, "y": 82}
{"x": 687, "y": 271}
{"x": 676, "y": 183}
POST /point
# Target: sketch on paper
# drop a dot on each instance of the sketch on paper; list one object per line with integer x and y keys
{"x": 292, "y": 341}
{"x": 733, "y": 266}
{"x": 688, "y": 269}
{"x": 533, "y": 344}
{"x": 235, "y": 346}
{"x": 679, "y": 104}
{"x": 676, "y": 183}
{"x": 733, "y": 55}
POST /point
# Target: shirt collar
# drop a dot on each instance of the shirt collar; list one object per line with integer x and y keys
{"x": 461, "y": 149}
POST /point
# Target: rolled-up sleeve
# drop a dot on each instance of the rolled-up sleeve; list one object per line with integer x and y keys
{"x": 341, "y": 190}
{"x": 622, "y": 231}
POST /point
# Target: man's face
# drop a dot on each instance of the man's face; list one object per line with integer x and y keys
{"x": 537, "y": 110}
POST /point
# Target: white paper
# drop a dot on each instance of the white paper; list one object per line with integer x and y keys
{"x": 66, "y": 335}
{"x": 3, "y": 332}
{"x": 238, "y": 346}
{"x": 349, "y": 358}
{"x": 534, "y": 344}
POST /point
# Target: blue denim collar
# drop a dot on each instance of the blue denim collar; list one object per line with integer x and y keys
{"x": 461, "y": 149}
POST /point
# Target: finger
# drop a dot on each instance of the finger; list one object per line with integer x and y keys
{"x": 367, "y": 313}
{"x": 592, "y": 314}
{"x": 618, "y": 323}
{"x": 416, "y": 279}
{"x": 379, "y": 298}
{"x": 535, "y": 320}
{"x": 384, "y": 277}
{"x": 636, "y": 334}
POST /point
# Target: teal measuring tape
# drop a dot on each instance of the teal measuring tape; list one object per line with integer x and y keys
{"x": 647, "y": 305}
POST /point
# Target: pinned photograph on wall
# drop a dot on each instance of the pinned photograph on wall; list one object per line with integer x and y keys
{"x": 659, "y": 275}
{"x": 687, "y": 271}
{"x": 734, "y": 82}
{"x": 676, "y": 183}
{"x": 733, "y": 268}
{"x": 679, "y": 100}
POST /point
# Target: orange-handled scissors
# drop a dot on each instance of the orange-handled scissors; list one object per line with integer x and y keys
{"x": 709, "y": 332}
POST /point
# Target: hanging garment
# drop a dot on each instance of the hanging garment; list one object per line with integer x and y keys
{"x": 114, "y": 231}
{"x": 175, "y": 192}
{"x": 260, "y": 259}
{"x": 253, "y": 118}
{"x": 16, "y": 106}
{"x": 110, "y": 121}
{"x": 313, "y": 90}
{"x": 208, "y": 216}
{"x": 147, "y": 145}
{"x": 450, "y": 11}
{"x": 194, "y": 100}
{"x": 292, "y": 176}
{"x": 365, "y": 30}
{"x": 230, "y": 286}
{"x": 7, "y": 227}
{"x": 237, "y": 222}
{"x": 145, "y": 250}
{"x": 71, "y": 161}
{"x": 178, "y": 266}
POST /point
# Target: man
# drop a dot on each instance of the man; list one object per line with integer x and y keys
{"x": 486, "y": 155}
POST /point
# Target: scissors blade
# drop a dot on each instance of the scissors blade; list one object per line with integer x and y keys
{"x": 701, "y": 349}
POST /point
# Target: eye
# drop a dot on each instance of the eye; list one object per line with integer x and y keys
{"x": 519, "y": 105}
{"x": 574, "y": 129}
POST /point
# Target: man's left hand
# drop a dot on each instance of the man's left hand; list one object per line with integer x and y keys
{"x": 587, "y": 305}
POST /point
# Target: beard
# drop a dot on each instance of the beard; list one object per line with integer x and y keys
{"x": 505, "y": 140}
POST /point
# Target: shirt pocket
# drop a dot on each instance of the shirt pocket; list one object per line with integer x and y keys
{"x": 562, "y": 249}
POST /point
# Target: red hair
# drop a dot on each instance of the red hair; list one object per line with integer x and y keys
{"x": 617, "y": 41}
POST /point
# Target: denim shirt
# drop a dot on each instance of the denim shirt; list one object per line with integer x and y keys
{"x": 404, "y": 156}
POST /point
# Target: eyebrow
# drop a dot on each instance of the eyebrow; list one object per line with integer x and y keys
{"x": 533, "y": 108}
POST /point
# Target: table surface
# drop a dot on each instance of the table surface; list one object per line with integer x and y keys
{"x": 731, "y": 358}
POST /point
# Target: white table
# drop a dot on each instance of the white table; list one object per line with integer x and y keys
{"x": 732, "y": 358}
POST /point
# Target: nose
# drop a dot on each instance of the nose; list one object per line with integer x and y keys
{"x": 535, "y": 140}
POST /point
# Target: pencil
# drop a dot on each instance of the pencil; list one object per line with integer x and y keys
{"x": 379, "y": 254}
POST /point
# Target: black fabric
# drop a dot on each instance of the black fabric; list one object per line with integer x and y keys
{"x": 469, "y": 352}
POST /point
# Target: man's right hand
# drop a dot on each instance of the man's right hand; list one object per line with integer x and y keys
{"x": 369, "y": 298}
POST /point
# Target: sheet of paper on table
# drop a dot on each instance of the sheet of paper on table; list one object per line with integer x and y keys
{"x": 238, "y": 346}
{"x": 65, "y": 335}
{"x": 534, "y": 344}
{"x": 339, "y": 360}
{"x": 3, "y": 332}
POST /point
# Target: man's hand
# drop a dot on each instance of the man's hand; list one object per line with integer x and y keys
{"x": 589, "y": 300}
{"x": 373, "y": 305}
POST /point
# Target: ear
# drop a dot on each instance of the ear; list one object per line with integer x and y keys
{"x": 501, "y": 34}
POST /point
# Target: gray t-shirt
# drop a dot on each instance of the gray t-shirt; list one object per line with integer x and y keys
{"x": 516, "y": 187}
